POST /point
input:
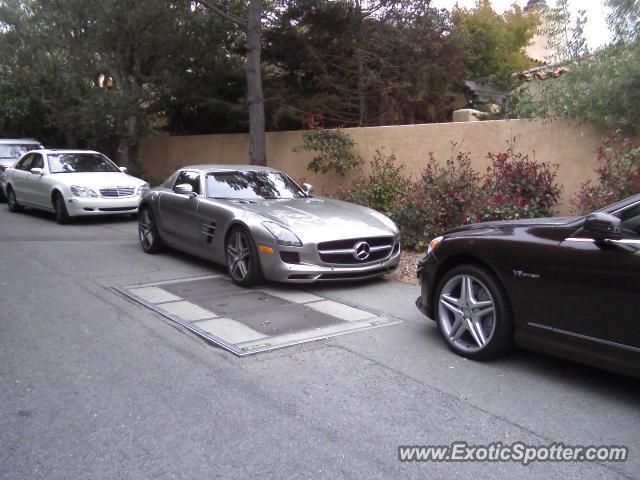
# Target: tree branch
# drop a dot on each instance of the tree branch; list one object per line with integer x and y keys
{"x": 223, "y": 13}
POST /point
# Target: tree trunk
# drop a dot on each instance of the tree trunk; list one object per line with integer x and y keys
{"x": 255, "y": 97}
{"x": 128, "y": 148}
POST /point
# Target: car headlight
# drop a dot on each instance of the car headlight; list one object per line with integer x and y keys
{"x": 83, "y": 192}
{"x": 283, "y": 236}
{"x": 386, "y": 221}
{"x": 433, "y": 244}
{"x": 142, "y": 189}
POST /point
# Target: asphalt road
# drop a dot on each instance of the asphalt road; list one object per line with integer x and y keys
{"x": 95, "y": 386}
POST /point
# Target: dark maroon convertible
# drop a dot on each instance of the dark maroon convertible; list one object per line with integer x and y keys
{"x": 565, "y": 286}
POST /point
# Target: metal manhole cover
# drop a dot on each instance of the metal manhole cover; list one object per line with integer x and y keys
{"x": 246, "y": 321}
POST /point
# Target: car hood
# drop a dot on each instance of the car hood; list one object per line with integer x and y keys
{"x": 319, "y": 219}
{"x": 525, "y": 222}
{"x": 98, "y": 180}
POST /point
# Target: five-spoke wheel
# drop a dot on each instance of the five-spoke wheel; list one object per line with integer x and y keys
{"x": 473, "y": 313}
{"x": 242, "y": 258}
{"x": 148, "y": 235}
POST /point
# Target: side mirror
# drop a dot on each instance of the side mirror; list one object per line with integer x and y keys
{"x": 183, "y": 189}
{"x": 37, "y": 171}
{"x": 603, "y": 226}
{"x": 123, "y": 169}
{"x": 308, "y": 188}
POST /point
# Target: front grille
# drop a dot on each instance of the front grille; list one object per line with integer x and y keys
{"x": 341, "y": 252}
{"x": 353, "y": 275}
{"x": 117, "y": 209}
{"x": 112, "y": 192}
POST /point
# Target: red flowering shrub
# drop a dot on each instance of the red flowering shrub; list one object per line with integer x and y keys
{"x": 453, "y": 194}
{"x": 618, "y": 175}
{"x": 517, "y": 187}
{"x": 443, "y": 197}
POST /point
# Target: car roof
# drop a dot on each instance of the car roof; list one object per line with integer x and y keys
{"x": 228, "y": 168}
{"x": 20, "y": 141}
{"x": 51, "y": 151}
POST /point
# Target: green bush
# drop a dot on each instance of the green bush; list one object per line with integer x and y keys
{"x": 453, "y": 194}
{"x": 334, "y": 148}
{"x": 618, "y": 175}
{"x": 382, "y": 188}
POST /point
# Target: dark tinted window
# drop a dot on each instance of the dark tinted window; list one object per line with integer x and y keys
{"x": 252, "y": 185}
{"x": 631, "y": 222}
{"x": 80, "y": 163}
{"x": 191, "y": 178}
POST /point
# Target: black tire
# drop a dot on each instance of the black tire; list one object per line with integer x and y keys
{"x": 3, "y": 197}
{"x": 60, "y": 209}
{"x": 251, "y": 273}
{"x": 12, "y": 202}
{"x": 481, "y": 333}
{"x": 150, "y": 239}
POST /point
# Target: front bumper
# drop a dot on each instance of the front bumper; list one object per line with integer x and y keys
{"x": 311, "y": 268}
{"x": 427, "y": 269}
{"x": 80, "y": 206}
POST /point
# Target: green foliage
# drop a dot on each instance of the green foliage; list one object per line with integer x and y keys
{"x": 334, "y": 148}
{"x": 443, "y": 197}
{"x": 354, "y": 63}
{"x": 384, "y": 186}
{"x": 496, "y": 42}
{"x": 618, "y": 175}
{"x": 454, "y": 193}
{"x": 602, "y": 88}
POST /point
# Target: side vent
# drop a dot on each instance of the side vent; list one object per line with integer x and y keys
{"x": 209, "y": 230}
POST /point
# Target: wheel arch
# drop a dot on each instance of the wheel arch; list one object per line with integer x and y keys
{"x": 55, "y": 191}
{"x": 455, "y": 261}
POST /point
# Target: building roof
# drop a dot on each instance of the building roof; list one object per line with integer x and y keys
{"x": 533, "y": 4}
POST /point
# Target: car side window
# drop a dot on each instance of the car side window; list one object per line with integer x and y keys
{"x": 631, "y": 222}
{"x": 25, "y": 163}
{"x": 189, "y": 177}
{"x": 38, "y": 161}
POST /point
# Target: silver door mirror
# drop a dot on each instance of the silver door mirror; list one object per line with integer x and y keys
{"x": 183, "y": 189}
{"x": 37, "y": 171}
{"x": 308, "y": 188}
{"x": 123, "y": 169}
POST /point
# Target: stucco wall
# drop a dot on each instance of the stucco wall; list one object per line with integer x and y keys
{"x": 570, "y": 145}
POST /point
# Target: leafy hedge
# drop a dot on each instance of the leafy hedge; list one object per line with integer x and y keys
{"x": 618, "y": 175}
{"x": 454, "y": 193}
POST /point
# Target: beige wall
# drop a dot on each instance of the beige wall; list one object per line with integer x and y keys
{"x": 570, "y": 145}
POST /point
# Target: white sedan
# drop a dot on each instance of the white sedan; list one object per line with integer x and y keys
{"x": 71, "y": 183}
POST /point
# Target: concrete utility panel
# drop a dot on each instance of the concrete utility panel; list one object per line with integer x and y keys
{"x": 246, "y": 321}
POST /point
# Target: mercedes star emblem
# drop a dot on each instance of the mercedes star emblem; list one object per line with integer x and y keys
{"x": 361, "y": 251}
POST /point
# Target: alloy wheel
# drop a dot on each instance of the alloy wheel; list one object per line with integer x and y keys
{"x": 146, "y": 229}
{"x": 467, "y": 313}
{"x": 239, "y": 255}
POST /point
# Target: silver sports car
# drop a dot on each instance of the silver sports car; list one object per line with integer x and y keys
{"x": 263, "y": 225}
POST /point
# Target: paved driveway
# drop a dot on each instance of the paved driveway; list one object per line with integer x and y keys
{"x": 93, "y": 385}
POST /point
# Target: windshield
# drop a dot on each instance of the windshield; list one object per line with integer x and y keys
{"x": 80, "y": 163}
{"x": 16, "y": 150}
{"x": 252, "y": 185}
